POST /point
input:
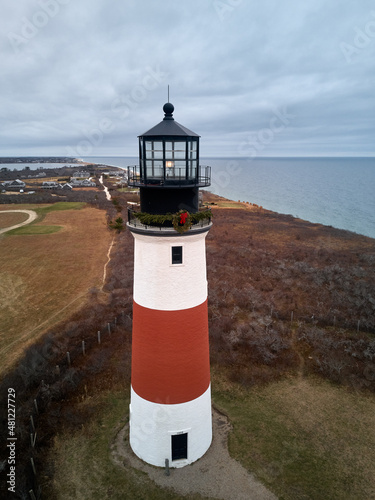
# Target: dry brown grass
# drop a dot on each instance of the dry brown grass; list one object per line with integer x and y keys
{"x": 46, "y": 277}
{"x": 40, "y": 180}
{"x": 304, "y": 438}
{"x": 11, "y": 219}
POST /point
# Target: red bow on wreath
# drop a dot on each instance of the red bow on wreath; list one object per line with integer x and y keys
{"x": 183, "y": 218}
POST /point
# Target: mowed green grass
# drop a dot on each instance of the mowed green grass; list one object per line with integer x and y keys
{"x": 46, "y": 270}
{"x": 42, "y": 211}
{"x": 63, "y": 205}
{"x": 34, "y": 229}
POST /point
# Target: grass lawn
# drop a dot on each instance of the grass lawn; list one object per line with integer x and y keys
{"x": 82, "y": 461}
{"x": 35, "y": 229}
{"x": 46, "y": 270}
{"x": 304, "y": 439}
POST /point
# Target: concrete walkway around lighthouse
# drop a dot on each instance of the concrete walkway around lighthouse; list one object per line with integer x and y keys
{"x": 215, "y": 475}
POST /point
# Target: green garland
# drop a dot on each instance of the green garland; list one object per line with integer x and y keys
{"x": 160, "y": 219}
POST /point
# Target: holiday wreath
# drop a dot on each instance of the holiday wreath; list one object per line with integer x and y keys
{"x": 182, "y": 221}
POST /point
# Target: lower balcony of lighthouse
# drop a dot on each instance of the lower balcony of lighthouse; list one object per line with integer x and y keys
{"x": 168, "y": 224}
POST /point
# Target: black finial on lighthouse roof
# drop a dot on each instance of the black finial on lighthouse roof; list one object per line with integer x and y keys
{"x": 168, "y": 109}
{"x": 168, "y": 126}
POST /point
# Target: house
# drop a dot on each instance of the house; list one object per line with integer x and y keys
{"x": 121, "y": 182}
{"x": 14, "y": 185}
{"x": 51, "y": 185}
{"x": 40, "y": 174}
{"x": 82, "y": 174}
{"x": 81, "y": 182}
{"x": 67, "y": 186}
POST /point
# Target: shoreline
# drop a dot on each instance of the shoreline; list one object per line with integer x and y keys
{"x": 226, "y": 203}
{"x": 79, "y": 162}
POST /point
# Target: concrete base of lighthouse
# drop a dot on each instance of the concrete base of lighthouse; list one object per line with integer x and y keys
{"x": 181, "y": 433}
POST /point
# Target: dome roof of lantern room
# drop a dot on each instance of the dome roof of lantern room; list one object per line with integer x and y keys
{"x": 168, "y": 126}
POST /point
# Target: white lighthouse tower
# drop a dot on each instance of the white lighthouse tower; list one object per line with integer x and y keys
{"x": 170, "y": 408}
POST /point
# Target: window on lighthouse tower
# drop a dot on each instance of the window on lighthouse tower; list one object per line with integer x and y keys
{"x": 177, "y": 255}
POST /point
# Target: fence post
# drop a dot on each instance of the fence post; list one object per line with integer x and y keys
{"x": 109, "y": 328}
{"x": 36, "y": 406}
{"x": 83, "y": 347}
{"x": 32, "y": 423}
{"x": 33, "y": 466}
{"x": 98, "y": 337}
{"x": 68, "y": 357}
{"x": 33, "y": 439}
{"x": 31, "y": 493}
{"x": 291, "y": 317}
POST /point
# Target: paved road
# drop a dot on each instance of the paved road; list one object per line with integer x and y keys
{"x": 32, "y": 216}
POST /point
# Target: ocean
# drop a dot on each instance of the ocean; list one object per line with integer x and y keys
{"x": 338, "y": 192}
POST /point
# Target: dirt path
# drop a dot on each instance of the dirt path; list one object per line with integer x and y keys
{"x": 32, "y": 216}
{"x": 215, "y": 475}
{"x": 108, "y": 196}
{"x": 106, "y": 264}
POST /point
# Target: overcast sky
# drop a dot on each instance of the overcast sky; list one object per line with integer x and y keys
{"x": 252, "y": 78}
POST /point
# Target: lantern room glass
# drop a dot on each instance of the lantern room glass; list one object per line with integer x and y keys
{"x": 169, "y": 159}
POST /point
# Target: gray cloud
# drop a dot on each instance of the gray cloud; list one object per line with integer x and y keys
{"x": 88, "y": 77}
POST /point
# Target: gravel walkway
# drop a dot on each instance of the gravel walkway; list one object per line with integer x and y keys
{"x": 215, "y": 475}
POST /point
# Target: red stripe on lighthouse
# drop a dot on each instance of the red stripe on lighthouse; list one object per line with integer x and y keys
{"x": 170, "y": 354}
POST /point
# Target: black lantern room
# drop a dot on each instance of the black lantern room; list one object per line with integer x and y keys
{"x": 169, "y": 175}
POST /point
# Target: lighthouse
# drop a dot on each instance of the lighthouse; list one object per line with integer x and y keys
{"x": 170, "y": 404}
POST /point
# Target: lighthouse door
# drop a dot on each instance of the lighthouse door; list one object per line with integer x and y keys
{"x": 179, "y": 446}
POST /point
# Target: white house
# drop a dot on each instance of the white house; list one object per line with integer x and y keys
{"x": 82, "y": 174}
{"x": 74, "y": 182}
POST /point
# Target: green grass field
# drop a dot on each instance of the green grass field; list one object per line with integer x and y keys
{"x": 63, "y": 205}
{"x": 34, "y": 229}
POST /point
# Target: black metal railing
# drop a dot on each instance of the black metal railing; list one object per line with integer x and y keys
{"x": 169, "y": 177}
